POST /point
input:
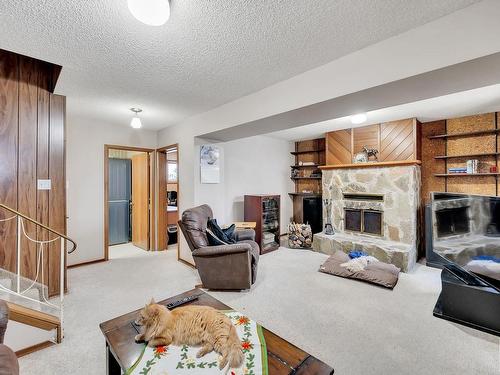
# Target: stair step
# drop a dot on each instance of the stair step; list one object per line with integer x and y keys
{"x": 33, "y": 305}
{"x": 35, "y": 318}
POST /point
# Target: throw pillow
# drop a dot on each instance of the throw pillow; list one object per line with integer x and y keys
{"x": 213, "y": 240}
{"x": 225, "y": 235}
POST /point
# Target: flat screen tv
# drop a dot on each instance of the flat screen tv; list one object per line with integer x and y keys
{"x": 466, "y": 233}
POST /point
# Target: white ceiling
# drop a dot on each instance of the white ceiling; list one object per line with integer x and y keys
{"x": 210, "y": 52}
{"x": 481, "y": 100}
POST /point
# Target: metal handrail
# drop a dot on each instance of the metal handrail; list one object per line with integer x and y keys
{"x": 41, "y": 225}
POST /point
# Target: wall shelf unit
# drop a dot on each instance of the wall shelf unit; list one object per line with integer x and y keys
{"x": 308, "y": 151}
{"x": 304, "y": 195}
{"x": 466, "y": 134}
{"x": 305, "y": 166}
{"x": 467, "y": 156}
{"x": 307, "y": 203}
{"x": 465, "y": 174}
{"x": 451, "y": 143}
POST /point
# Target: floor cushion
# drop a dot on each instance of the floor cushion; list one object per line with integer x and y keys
{"x": 379, "y": 273}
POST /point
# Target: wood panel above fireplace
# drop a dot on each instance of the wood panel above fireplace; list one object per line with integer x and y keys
{"x": 395, "y": 141}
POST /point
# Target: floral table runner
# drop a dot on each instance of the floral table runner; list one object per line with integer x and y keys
{"x": 173, "y": 359}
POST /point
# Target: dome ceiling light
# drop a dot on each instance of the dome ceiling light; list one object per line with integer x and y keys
{"x": 136, "y": 121}
{"x": 150, "y": 12}
{"x": 358, "y": 118}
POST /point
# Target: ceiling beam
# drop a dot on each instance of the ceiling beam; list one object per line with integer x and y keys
{"x": 464, "y": 76}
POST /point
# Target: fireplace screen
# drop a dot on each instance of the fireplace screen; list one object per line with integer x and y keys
{"x": 363, "y": 221}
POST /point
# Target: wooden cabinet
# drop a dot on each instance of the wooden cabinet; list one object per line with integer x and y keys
{"x": 265, "y": 211}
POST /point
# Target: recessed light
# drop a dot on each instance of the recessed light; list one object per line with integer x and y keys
{"x": 136, "y": 121}
{"x": 358, "y": 118}
{"x": 150, "y": 12}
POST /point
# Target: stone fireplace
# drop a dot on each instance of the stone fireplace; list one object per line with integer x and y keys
{"x": 372, "y": 207}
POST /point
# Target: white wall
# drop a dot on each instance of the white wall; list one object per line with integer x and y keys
{"x": 257, "y": 165}
{"x": 85, "y": 142}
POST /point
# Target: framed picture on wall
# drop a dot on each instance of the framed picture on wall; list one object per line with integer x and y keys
{"x": 209, "y": 164}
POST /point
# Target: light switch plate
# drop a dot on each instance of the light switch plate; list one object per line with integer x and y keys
{"x": 44, "y": 184}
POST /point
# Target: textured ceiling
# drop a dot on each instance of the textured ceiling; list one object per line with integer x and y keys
{"x": 210, "y": 51}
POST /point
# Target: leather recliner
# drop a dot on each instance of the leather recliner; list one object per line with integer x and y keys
{"x": 232, "y": 266}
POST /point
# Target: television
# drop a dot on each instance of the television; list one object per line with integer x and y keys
{"x": 464, "y": 232}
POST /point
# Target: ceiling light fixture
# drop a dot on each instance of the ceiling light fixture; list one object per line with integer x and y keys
{"x": 358, "y": 118}
{"x": 150, "y": 12}
{"x": 136, "y": 121}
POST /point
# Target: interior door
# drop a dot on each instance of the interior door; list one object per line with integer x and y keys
{"x": 140, "y": 200}
{"x": 119, "y": 200}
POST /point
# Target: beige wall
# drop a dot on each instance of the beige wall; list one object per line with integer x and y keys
{"x": 85, "y": 180}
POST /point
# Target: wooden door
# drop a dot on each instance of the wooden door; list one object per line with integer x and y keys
{"x": 162, "y": 201}
{"x": 140, "y": 200}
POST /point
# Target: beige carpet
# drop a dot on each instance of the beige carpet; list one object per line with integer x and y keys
{"x": 355, "y": 327}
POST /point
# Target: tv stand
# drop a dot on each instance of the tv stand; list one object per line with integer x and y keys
{"x": 468, "y": 301}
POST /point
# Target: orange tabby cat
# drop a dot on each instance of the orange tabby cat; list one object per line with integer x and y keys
{"x": 191, "y": 325}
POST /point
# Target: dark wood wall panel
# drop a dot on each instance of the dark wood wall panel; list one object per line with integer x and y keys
{"x": 398, "y": 140}
{"x": 32, "y": 128}
{"x": 42, "y": 198}
{"x": 338, "y": 147}
{"x": 27, "y": 183}
{"x": 57, "y": 195}
{"x": 365, "y": 136}
{"x": 9, "y": 88}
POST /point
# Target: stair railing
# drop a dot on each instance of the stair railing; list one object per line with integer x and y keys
{"x": 21, "y": 232}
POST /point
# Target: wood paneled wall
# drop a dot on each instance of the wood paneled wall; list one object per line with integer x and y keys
{"x": 32, "y": 147}
{"x": 395, "y": 141}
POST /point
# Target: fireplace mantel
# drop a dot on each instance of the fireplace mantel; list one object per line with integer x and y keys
{"x": 380, "y": 164}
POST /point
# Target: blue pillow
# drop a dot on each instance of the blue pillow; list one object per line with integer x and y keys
{"x": 356, "y": 254}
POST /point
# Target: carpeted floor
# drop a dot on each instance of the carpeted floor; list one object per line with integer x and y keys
{"x": 355, "y": 327}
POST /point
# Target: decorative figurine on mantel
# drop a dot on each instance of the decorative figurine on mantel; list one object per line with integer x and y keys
{"x": 365, "y": 155}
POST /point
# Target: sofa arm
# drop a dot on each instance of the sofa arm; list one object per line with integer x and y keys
{"x": 244, "y": 234}
{"x": 210, "y": 251}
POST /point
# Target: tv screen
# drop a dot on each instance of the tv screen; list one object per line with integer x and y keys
{"x": 466, "y": 232}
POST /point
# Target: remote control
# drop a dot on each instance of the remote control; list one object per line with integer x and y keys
{"x": 172, "y": 305}
{"x": 136, "y": 326}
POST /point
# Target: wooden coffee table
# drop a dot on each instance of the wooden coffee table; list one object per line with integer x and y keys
{"x": 282, "y": 357}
